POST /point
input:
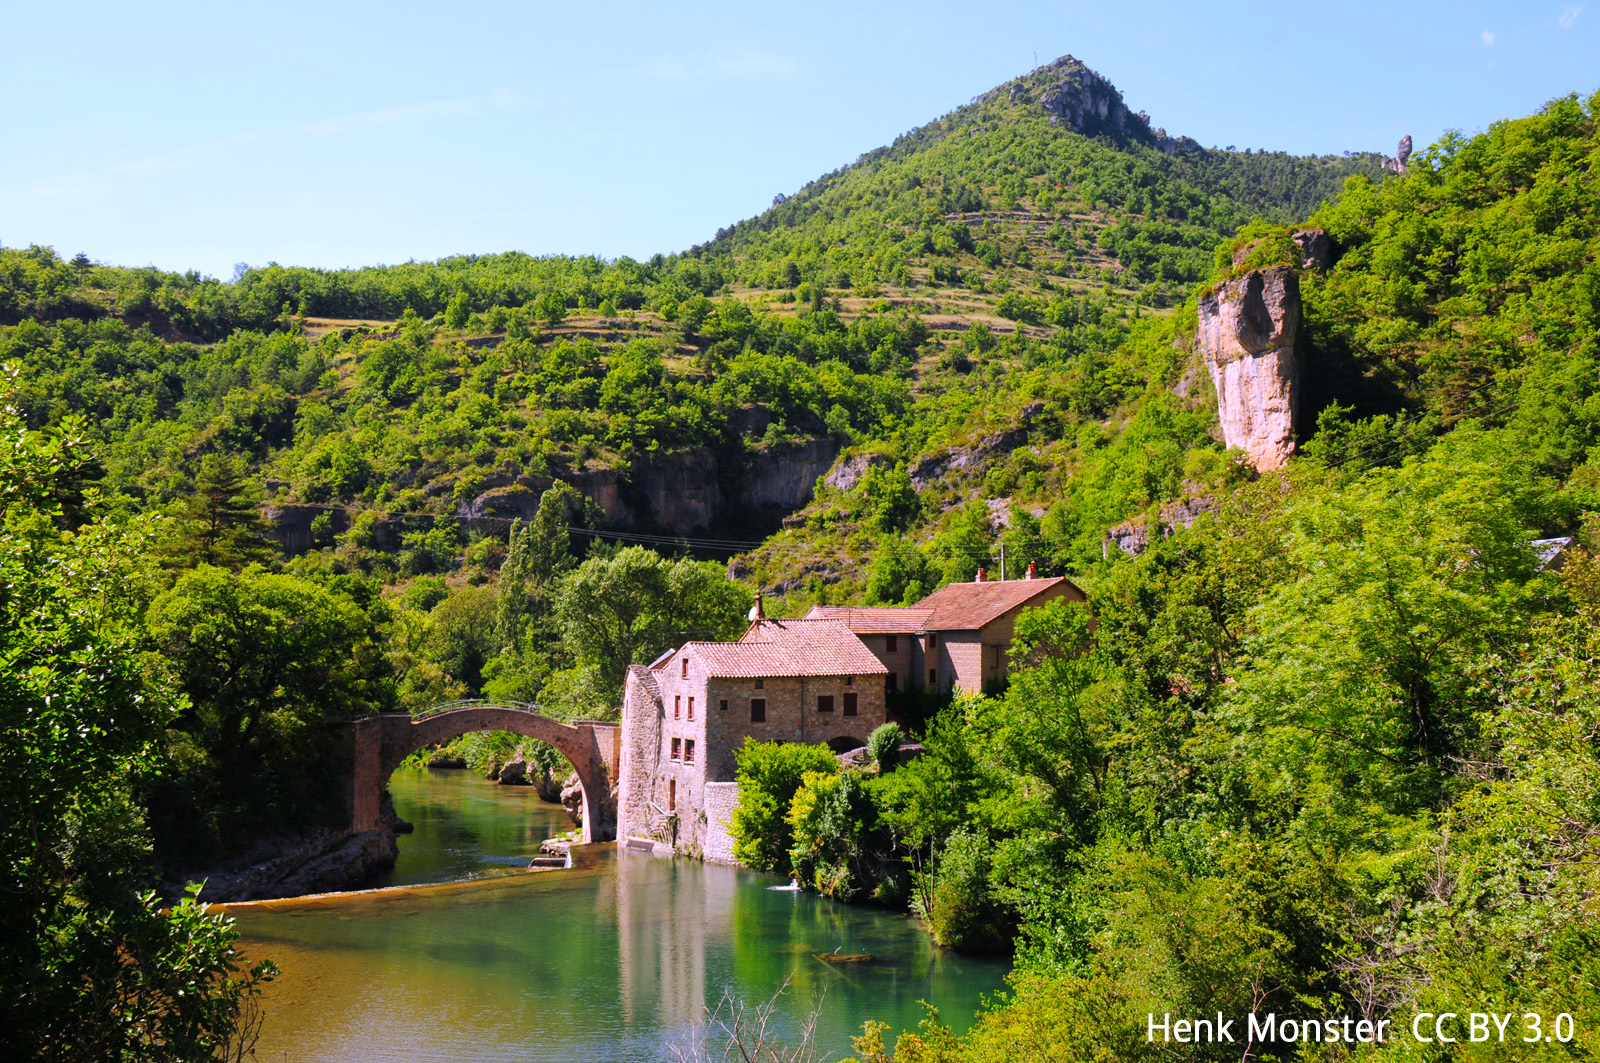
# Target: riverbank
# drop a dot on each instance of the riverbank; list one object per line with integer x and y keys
{"x": 322, "y": 860}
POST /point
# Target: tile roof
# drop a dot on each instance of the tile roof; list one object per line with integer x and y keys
{"x": 876, "y": 620}
{"x": 777, "y": 648}
{"x": 968, "y": 606}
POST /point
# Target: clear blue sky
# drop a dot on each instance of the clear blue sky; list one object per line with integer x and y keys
{"x": 201, "y": 135}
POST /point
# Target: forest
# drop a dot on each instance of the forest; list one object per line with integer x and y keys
{"x": 1328, "y": 751}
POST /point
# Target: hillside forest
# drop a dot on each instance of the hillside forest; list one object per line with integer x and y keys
{"x": 1328, "y": 749}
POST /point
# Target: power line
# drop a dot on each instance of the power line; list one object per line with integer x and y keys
{"x": 624, "y": 536}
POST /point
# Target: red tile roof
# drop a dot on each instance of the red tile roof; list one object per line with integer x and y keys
{"x": 876, "y": 620}
{"x": 778, "y": 648}
{"x": 968, "y": 606}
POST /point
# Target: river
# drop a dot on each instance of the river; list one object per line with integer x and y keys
{"x": 466, "y": 959}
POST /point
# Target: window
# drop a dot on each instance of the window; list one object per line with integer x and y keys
{"x": 849, "y": 680}
{"x": 677, "y": 749}
{"x": 723, "y": 705}
{"x": 672, "y": 795}
{"x": 894, "y": 683}
{"x": 849, "y": 704}
{"x": 677, "y": 706}
{"x": 824, "y": 702}
{"x": 688, "y": 751}
{"x": 933, "y": 677}
{"x": 759, "y": 683}
{"x": 891, "y": 644}
{"x": 933, "y": 640}
{"x": 691, "y": 706}
{"x": 758, "y": 710}
{"x": 686, "y": 668}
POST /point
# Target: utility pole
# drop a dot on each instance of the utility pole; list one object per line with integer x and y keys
{"x": 1002, "y": 561}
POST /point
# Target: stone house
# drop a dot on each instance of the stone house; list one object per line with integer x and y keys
{"x": 955, "y": 637}
{"x": 688, "y": 712}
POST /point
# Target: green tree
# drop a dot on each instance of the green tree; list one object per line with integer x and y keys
{"x": 898, "y": 573}
{"x": 891, "y": 502}
{"x": 93, "y": 968}
{"x": 551, "y": 309}
{"x": 456, "y": 312}
{"x": 218, "y": 523}
{"x": 615, "y": 611}
{"x": 263, "y": 659}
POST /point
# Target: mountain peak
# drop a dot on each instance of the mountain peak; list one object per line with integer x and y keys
{"x": 1085, "y": 102}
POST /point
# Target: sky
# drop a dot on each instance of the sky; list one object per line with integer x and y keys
{"x": 200, "y": 136}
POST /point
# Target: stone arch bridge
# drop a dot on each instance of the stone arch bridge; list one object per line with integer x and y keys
{"x": 378, "y": 744}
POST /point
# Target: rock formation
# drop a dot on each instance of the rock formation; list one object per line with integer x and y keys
{"x": 1246, "y": 334}
{"x": 1402, "y": 153}
{"x": 1316, "y": 249}
{"x": 572, "y": 801}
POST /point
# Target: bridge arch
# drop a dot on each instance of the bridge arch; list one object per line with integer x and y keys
{"x": 381, "y": 743}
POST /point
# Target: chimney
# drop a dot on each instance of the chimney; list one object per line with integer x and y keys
{"x": 757, "y": 614}
{"x": 1033, "y": 573}
{"x": 980, "y": 578}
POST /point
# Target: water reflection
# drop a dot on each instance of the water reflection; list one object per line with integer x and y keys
{"x": 611, "y": 963}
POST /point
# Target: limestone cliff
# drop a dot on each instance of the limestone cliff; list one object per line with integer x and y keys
{"x": 1246, "y": 334}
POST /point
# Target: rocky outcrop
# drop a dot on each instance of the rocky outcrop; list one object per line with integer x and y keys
{"x": 1133, "y": 537}
{"x": 290, "y": 525}
{"x": 1085, "y": 102}
{"x": 1402, "y": 155}
{"x": 1246, "y": 334}
{"x": 783, "y": 477}
{"x": 514, "y": 772}
{"x": 320, "y": 861}
{"x": 1316, "y": 250}
{"x": 926, "y": 470}
{"x": 850, "y": 470}
{"x": 681, "y": 490}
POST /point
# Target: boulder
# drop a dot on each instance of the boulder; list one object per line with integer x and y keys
{"x": 1246, "y": 334}
{"x": 1316, "y": 250}
{"x": 548, "y": 786}
{"x": 572, "y": 801}
{"x": 514, "y": 772}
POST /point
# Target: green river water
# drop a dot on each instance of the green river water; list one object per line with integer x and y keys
{"x": 465, "y": 958}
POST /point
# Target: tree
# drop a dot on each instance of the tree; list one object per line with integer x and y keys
{"x": 898, "y": 573}
{"x": 883, "y": 745}
{"x": 551, "y": 308}
{"x": 456, "y": 311}
{"x": 262, "y": 659}
{"x": 217, "y": 522}
{"x": 614, "y": 611}
{"x": 93, "y": 968}
{"x": 891, "y": 502}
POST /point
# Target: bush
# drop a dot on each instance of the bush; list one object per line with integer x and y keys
{"x": 841, "y": 848}
{"x": 769, "y": 775}
{"x": 884, "y": 746}
{"x": 963, "y": 912}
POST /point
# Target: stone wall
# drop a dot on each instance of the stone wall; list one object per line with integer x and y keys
{"x": 900, "y": 660}
{"x": 722, "y": 799}
{"x": 640, "y": 747}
